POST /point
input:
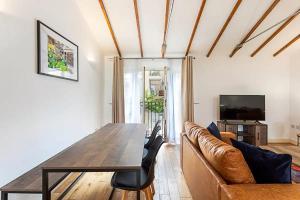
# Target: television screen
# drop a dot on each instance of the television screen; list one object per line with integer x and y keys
{"x": 242, "y": 107}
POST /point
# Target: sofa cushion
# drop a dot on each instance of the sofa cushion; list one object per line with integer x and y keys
{"x": 188, "y": 126}
{"x": 266, "y": 166}
{"x": 193, "y": 131}
{"x": 226, "y": 136}
{"x": 227, "y": 160}
{"x": 213, "y": 129}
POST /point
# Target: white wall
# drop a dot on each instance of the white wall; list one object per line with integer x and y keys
{"x": 108, "y": 80}
{"x": 40, "y": 115}
{"x": 294, "y": 97}
{"x": 220, "y": 74}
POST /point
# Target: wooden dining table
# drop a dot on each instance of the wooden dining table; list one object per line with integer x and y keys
{"x": 113, "y": 148}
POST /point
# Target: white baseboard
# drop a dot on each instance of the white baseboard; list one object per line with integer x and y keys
{"x": 282, "y": 141}
{"x": 293, "y": 142}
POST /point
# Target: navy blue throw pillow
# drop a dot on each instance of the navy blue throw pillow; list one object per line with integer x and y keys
{"x": 213, "y": 129}
{"x": 266, "y": 166}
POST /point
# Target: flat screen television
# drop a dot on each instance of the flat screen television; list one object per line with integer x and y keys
{"x": 242, "y": 107}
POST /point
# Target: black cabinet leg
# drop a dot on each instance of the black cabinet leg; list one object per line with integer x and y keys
{"x": 4, "y": 196}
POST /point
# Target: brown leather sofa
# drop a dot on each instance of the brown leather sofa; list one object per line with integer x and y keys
{"x": 205, "y": 183}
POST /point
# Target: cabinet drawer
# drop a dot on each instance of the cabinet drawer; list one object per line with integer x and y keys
{"x": 261, "y": 135}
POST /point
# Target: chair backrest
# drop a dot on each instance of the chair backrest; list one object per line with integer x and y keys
{"x": 149, "y": 161}
{"x": 156, "y": 126}
{"x": 157, "y": 123}
{"x": 152, "y": 137}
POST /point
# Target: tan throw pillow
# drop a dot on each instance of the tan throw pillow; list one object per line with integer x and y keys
{"x": 227, "y": 160}
{"x": 226, "y": 136}
{"x": 193, "y": 131}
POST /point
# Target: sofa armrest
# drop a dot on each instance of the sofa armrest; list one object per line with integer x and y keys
{"x": 260, "y": 192}
{"x": 226, "y": 137}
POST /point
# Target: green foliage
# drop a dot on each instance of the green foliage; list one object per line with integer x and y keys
{"x": 56, "y": 61}
{"x": 154, "y": 103}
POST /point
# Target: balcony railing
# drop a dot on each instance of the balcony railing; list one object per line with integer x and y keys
{"x": 154, "y": 111}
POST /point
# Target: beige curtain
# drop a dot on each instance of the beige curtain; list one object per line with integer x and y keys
{"x": 187, "y": 90}
{"x": 118, "y": 110}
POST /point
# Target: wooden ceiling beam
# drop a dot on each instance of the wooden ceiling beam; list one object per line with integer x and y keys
{"x": 274, "y": 34}
{"x": 263, "y": 17}
{"x": 287, "y": 45}
{"x": 137, "y": 17}
{"x": 195, "y": 27}
{"x": 110, "y": 27}
{"x": 167, "y": 13}
{"x": 235, "y": 8}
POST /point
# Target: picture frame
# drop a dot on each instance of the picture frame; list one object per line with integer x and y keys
{"x": 57, "y": 55}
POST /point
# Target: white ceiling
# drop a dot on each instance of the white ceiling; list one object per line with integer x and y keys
{"x": 152, "y": 12}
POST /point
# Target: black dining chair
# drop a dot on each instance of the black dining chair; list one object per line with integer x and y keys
{"x": 126, "y": 181}
{"x": 150, "y": 139}
{"x": 156, "y": 124}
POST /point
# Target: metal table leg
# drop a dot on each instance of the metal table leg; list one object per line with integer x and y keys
{"x": 4, "y": 196}
{"x": 45, "y": 185}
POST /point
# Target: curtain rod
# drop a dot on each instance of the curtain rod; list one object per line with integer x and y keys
{"x": 154, "y": 58}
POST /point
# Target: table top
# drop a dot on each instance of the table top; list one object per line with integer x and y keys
{"x": 113, "y": 147}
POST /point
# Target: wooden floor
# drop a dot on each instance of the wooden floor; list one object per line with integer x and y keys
{"x": 169, "y": 181}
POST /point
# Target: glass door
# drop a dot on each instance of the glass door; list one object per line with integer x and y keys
{"x": 155, "y": 98}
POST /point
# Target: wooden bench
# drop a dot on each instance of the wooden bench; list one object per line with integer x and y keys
{"x": 31, "y": 183}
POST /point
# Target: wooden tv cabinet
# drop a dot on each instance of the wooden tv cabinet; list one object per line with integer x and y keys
{"x": 255, "y": 133}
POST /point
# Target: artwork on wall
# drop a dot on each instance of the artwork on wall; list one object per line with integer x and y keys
{"x": 57, "y": 56}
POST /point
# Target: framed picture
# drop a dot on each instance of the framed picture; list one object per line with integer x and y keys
{"x": 57, "y": 56}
